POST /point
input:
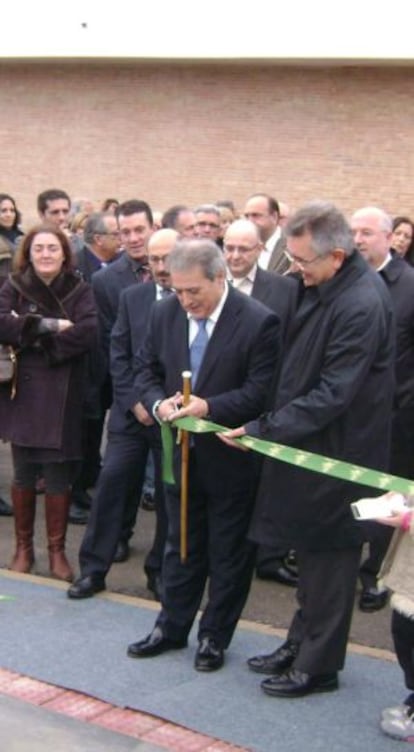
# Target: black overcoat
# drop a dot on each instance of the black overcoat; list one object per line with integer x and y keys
{"x": 47, "y": 410}
{"x": 334, "y": 397}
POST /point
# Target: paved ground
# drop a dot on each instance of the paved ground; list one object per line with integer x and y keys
{"x": 268, "y": 603}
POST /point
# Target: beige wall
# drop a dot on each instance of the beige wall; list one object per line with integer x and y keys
{"x": 173, "y": 133}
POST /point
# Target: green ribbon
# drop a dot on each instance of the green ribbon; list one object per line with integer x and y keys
{"x": 307, "y": 460}
{"x": 7, "y": 598}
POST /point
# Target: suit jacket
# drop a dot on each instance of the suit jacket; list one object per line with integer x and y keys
{"x": 399, "y": 278}
{"x": 234, "y": 376}
{"x": 127, "y": 336}
{"x": 85, "y": 263}
{"x": 107, "y": 285}
{"x": 278, "y": 261}
{"x": 278, "y": 293}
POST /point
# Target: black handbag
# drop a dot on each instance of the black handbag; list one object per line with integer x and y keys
{"x": 8, "y": 367}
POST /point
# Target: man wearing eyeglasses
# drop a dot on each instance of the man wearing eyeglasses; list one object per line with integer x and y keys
{"x": 207, "y": 222}
{"x": 333, "y": 398}
{"x": 100, "y": 248}
{"x": 242, "y": 246}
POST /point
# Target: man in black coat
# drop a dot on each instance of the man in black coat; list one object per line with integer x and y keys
{"x": 132, "y": 434}
{"x": 231, "y": 345}
{"x": 242, "y": 246}
{"x": 100, "y": 247}
{"x": 334, "y": 398}
{"x": 372, "y": 230}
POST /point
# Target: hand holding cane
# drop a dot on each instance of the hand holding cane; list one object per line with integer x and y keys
{"x": 185, "y": 450}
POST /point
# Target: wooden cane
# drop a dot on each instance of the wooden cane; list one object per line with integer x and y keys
{"x": 185, "y": 451}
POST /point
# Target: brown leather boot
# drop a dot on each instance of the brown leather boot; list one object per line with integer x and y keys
{"x": 24, "y": 505}
{"x": 57, "y": 512}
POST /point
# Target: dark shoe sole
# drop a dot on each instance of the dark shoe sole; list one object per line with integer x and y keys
{"x": 77, "y": 596}
{"x": 153, "y": 654}
{"x": 274, "y": 692}
{"x": 208, "y": 668}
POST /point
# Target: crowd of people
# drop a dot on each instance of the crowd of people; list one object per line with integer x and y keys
{"x": 297, "y": 327}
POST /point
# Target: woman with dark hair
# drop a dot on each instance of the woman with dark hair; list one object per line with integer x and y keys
{"x": 10, "y": 233}
{"x": 402, "y": 240}
{"x": 48, "y": 315}
{"x": 110, "y": 205}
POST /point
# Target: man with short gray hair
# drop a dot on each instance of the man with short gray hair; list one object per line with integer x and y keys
{"x": 207, "y": 221}
{"x": 333, "y": 398}
{"x": 230, "y": 344}
{"x": 372, "y": 230}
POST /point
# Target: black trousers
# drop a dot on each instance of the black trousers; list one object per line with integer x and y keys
{"x": 402, "y": 464}
{"x": 119, "y": 485}
{"x": 325, "y": 595}
{"x": 403, "y": 635}
{"x": 218, "y": 552}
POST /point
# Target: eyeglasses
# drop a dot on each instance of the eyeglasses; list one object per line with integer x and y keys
{"x": 212, "y": 225}
{"x": 239, "y": 248}
{"x": 158, "y": 259}
{"x": 303, "y": 263}
{"x": 115, "y": 234}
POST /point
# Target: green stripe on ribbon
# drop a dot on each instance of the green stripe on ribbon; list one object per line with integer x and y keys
{"x": 298, "y": 457}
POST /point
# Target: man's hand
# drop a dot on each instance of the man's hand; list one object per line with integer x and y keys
{"x": 142, "y": 415}
{"x": 196, "y": 408}
{"x": 228, "y": 438}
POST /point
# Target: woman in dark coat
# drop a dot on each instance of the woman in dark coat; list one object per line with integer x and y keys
{"x": 47, "y": 314}
{"x": 10, "y": 233}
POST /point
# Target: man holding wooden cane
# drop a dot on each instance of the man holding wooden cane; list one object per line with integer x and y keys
{"x": 230, "y": 343}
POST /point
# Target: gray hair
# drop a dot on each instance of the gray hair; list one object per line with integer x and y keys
{"x": 385, "y": 220}
{"x": 208, "y": 209}
{"x": 325, "y": 224}
{"x": 95, "y": 225}
{"x": 201, "y": 252}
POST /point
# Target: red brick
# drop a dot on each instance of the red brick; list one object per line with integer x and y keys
{"x": 175, "y": 133}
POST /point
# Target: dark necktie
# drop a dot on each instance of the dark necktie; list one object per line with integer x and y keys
{"x": 143, "y": 273}
{"x": 198, "y": 348}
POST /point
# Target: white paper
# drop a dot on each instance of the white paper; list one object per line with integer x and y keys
{"x": 382, "y": 506}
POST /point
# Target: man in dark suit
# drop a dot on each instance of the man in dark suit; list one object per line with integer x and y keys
{"x": 241, "y": 248}
{"x": 333, "y": 398}
{"x": 231, "y": 345}
{"x": 100, "y": 247}
{"x": 135, "y": 229}
{"x": 132, "y": 434}
{"x": 372, "y": 229}
{"x": 263, "y": 210}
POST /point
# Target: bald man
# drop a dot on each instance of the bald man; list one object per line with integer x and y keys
{"x": 372, "y": 229}
{"x": 242, "y": 247}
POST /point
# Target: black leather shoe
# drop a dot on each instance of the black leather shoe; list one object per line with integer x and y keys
{"x": 5, "y": 509}
{"x": 276, "y": 662}
{"x": 122, "y": 552}
{"x": 154, "y": 644}
{"x": 209, "y": 655}
{"x": 372, "y": 599}
{"x": 77, "y": 515}
{"x": 279, "y": 574}
{"x": 154, "y": 584}
{"x": 296, "y": 683}
{"x": 147, "y": 502}
{"x": 86, "y": 587}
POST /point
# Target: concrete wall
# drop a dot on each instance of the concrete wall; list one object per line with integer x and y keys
{"x": 172, "y": 133}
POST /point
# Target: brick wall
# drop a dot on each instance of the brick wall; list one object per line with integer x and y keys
{"x": 192, "y": 133}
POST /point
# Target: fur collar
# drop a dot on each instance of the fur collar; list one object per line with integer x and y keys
{"x": 51, "y": 297}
